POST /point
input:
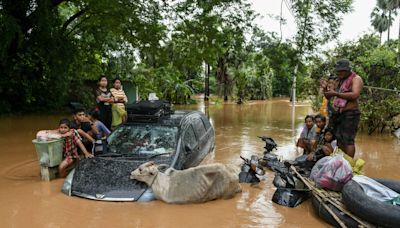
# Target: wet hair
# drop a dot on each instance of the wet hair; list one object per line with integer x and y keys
{"x": 101, "y": 77}
{"x": 95, "y": 114}
{"x": 66, "y": 122}
{"x": 78, "y": 110}
{"x": 116, "y": 79}
{"x": 309, "y": 116}
{"x": 319, "y": 116}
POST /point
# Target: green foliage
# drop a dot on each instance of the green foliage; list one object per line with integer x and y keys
{"x": 50, "y": 48}
{"x": 318, "y": 21}
{"x": 253, "y": 78}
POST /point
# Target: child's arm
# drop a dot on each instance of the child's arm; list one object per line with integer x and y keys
{"x": 85, "y": 152}
{"x": 67, "y": 134}
{"x": 100, "y": 98}
{"x": 94, "y": 128}
{"x": 85, "y": 135}
{"x": 105, "y": 130}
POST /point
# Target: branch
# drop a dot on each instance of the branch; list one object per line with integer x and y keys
{"x": 77, "y": 25}
{"x": 57, "y": 2}
{"x": 72, "y": 18}
{"x": 31, "y": 18}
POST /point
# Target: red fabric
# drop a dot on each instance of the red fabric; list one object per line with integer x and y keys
{"x": 340, "y": 103}
{"x": 70, "y": 145}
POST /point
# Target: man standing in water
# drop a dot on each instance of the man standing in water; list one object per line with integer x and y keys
{"x": 345, "y": 105}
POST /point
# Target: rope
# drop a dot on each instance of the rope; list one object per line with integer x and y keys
{"x": 384, "y": 89}
{"x": 150, "y": 186}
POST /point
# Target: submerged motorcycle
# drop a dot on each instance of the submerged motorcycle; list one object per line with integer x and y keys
{"x": 254, "y": 166}
{"x": 250, "y": 169}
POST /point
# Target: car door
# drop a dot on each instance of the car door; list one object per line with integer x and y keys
{"x": 189, "y": 146}
{"x": 208, "y": 141}
{"x": 199, "y": 128}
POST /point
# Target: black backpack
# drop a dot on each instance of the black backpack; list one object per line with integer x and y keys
{"x": 148, "y": 110}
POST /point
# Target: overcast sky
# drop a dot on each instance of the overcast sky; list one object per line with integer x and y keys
{"x": 354, "y": 24}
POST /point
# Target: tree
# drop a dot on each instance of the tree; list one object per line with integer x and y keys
{"x": 379, "y": 21}
{"x": 48, "y": 48}
{"x": 318, "y": 21}
{"x": 388, "y": 6}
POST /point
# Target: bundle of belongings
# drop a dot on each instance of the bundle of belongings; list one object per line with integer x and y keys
{"x": 331, "y": 172}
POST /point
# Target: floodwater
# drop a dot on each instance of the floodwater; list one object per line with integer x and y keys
{"x": 26, "y": 201}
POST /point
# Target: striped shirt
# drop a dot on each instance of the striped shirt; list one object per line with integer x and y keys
{"x": 118, "y": 94}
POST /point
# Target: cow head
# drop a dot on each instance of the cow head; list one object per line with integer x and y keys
{"x": 146, "y": 172}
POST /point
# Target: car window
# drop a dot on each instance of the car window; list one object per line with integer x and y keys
{"x": 199, "y": 127}
{"x": 143, "y": 139}
{"x": 189, "y": 137}
{"x": 206, "y": 123}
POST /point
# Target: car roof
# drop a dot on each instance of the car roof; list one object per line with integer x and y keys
{"x": 175, "y": 119}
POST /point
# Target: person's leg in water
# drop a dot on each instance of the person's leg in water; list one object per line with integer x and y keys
{"x": 64, "y": 165}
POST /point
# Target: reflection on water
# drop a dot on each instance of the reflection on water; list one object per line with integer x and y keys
{"x": 27, "y": 201}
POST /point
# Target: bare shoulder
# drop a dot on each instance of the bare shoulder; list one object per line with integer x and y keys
{"x": 358, "y": 80}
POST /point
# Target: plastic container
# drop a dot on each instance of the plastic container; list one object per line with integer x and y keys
{"x": 50, "y": 153}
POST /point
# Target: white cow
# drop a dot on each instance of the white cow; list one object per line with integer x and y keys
{"x": 193, "y": 185}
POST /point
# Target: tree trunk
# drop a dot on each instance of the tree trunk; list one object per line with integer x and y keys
{"x": 390, "y": 17}
{"x": 226, "y": 84}
{"x": 398, "y": 45}
{"x": 380, "y": 38}
{"x": 207, "y": 83}
{"x": 223, "y": 77}
{"x": 225, "y": 87}
{"x": 190, "y": 84}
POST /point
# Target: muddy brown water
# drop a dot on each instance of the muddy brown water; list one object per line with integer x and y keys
{"x": 26, "y": 201}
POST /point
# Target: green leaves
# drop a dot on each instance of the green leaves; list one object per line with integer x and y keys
{"x": 318, "y": 21}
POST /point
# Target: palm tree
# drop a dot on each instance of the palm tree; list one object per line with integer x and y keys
{"x": 395, "y": 5}
{"x": 379, "y": 21}
{"x": 389, "y": 6}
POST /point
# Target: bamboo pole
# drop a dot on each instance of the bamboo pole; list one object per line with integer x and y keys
{"x": 337, "y": 219}
{"x": 384, "y": 89}
{"x": 322, "y": 196}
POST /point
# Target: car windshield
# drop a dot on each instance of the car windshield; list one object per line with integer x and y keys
{"x": 149, "y": 140}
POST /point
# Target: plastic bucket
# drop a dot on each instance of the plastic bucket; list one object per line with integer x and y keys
{"x": 50, "y": 153}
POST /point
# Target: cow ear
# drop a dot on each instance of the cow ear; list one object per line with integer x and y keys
{"x": 162, "y": 167}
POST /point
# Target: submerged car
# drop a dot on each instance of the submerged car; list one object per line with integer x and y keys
{"x": 180, "y": 140}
